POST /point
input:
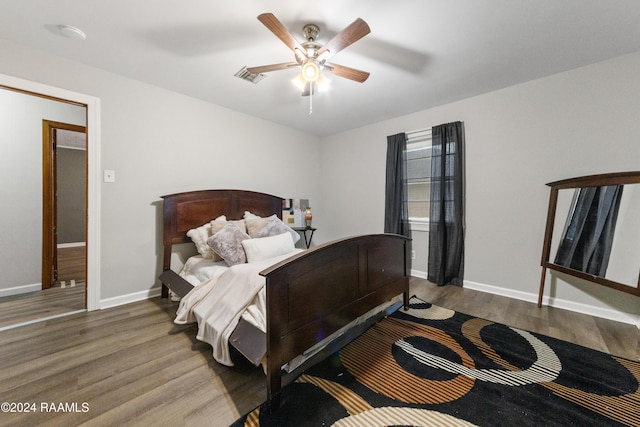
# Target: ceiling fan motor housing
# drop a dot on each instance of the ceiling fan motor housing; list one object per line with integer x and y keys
{"x": 308, "y": 59}
{"x": 310, "y": 32}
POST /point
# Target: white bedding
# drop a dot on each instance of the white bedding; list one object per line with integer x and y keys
{"x": 198, "y": 269}
{"x": 223, "y": 294}
{"x": 227, "y": 293}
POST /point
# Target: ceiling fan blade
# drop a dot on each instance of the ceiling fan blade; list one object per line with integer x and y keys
{"x": 276, "y": 27}
{"x": 351, "y": 34}
{"x": 272, "y": 67}
{"x": 347, "y": 72}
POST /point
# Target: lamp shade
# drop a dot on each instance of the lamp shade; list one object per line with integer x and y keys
{"x": 310, "y": 71}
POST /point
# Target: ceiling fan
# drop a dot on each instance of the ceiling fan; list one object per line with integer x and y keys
{"x": 310, "y": 56}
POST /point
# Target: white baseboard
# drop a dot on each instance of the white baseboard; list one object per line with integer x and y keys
{"x": 20, "y": 289}
{"x": 126, "y": 299}
{"x": 71, "y": 245}
{"x": 419, "y": 274}
{"x": 591, "y": 310}
{"x": 519, "y": 295}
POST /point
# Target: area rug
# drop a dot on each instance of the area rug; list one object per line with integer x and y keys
{"x": 430, "y": 366}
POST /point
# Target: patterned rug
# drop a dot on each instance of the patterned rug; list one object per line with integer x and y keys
{"x": 435, "y": 367}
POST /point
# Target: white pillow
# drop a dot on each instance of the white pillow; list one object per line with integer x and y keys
{"x": 199, "y": 236}
{"x": 267, "y": 247}
{"x": 249, "y": 215}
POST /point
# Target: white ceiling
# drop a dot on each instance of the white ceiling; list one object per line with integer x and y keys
{"x": 420, "y": 53}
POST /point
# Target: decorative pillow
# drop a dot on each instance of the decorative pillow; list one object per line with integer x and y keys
{"x": 267, "y": 247}
{"x": 199, "y": 236}
{"x": 249, "y": 215}
{"x": 240, "y": 223}
{"x": 215, "y": 226}
{"x": 270, "y": 226}
{"x": 228, "y": 243}
{"x": 254, "y": 225}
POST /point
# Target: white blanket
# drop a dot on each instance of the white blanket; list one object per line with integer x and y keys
{"x": 198, "y": 270}
{"x": 218, "y": 304}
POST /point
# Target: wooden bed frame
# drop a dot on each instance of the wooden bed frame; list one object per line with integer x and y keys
{"x": 310, "y": 295}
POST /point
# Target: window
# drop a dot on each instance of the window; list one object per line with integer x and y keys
{"x": 447, "y": 183}
{"x": 419, "y": 175}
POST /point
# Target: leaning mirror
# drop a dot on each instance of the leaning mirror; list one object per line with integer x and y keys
{"x": 593, "y": 224}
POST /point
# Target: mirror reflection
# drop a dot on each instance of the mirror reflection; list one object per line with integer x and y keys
{"x": 596, "y": 232}
{"x": 46, "y": 137}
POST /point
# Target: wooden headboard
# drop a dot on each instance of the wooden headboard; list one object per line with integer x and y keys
{"x": 184, "y": 211}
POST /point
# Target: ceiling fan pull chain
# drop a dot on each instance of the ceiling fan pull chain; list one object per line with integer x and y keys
{"x": 310, "y": 98}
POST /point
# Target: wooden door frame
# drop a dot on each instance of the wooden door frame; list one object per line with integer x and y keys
{"x": 49, "y": 198}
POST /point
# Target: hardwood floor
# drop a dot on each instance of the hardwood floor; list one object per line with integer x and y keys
{"x": 55, "y": 301}
{"x": 133, "y": 366}
{"x": 72, "y": 263}
{"x": 29, "y": 307}
{"x": 621, "y": 339}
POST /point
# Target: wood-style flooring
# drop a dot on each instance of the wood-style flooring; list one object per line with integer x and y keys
{"x": 55, "y": 301}
{"x": 132, "y": 366}
{"x": 72, "y": 263}
{"x": 29, "y": 307}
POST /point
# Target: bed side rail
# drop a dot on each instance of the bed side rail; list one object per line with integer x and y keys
{"x": 175, "y": 283}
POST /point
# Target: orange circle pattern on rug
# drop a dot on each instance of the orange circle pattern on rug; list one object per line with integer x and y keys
{"x": 369, "y": 359}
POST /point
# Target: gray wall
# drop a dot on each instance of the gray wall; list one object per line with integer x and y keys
{"x": 159, "y": 142}
{"x": 579, "y": 122}
{"x": 71, "y": 195}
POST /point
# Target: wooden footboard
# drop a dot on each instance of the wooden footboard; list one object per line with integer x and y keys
{"x": 317, "y": 292}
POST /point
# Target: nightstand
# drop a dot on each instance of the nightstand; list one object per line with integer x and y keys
{"x": 307, "y": 232}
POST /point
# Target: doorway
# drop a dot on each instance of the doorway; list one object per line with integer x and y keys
{"x": 64, "y": 204}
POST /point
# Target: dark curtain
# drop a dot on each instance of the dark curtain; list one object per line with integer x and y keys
{"x": 396, "y": 215}
{"x": 586, "y": 243}
{"x": 446, "y": 220}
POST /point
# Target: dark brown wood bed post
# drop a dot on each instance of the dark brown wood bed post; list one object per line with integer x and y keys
{"x": 274, "y": 381}
{"x": 274, "y": 319}
{"x": 167, "y": 209}
{"x": 166, "y": 265}
{"x": 407, "y": 272}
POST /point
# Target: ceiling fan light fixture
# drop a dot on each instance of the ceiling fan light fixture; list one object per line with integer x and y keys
{"x": 299, "y": 82}
{"x": 323, "y": 83}
{"x": 310, "y": 71}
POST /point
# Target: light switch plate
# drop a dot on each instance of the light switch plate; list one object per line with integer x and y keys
{"x": 109, "y": 176}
